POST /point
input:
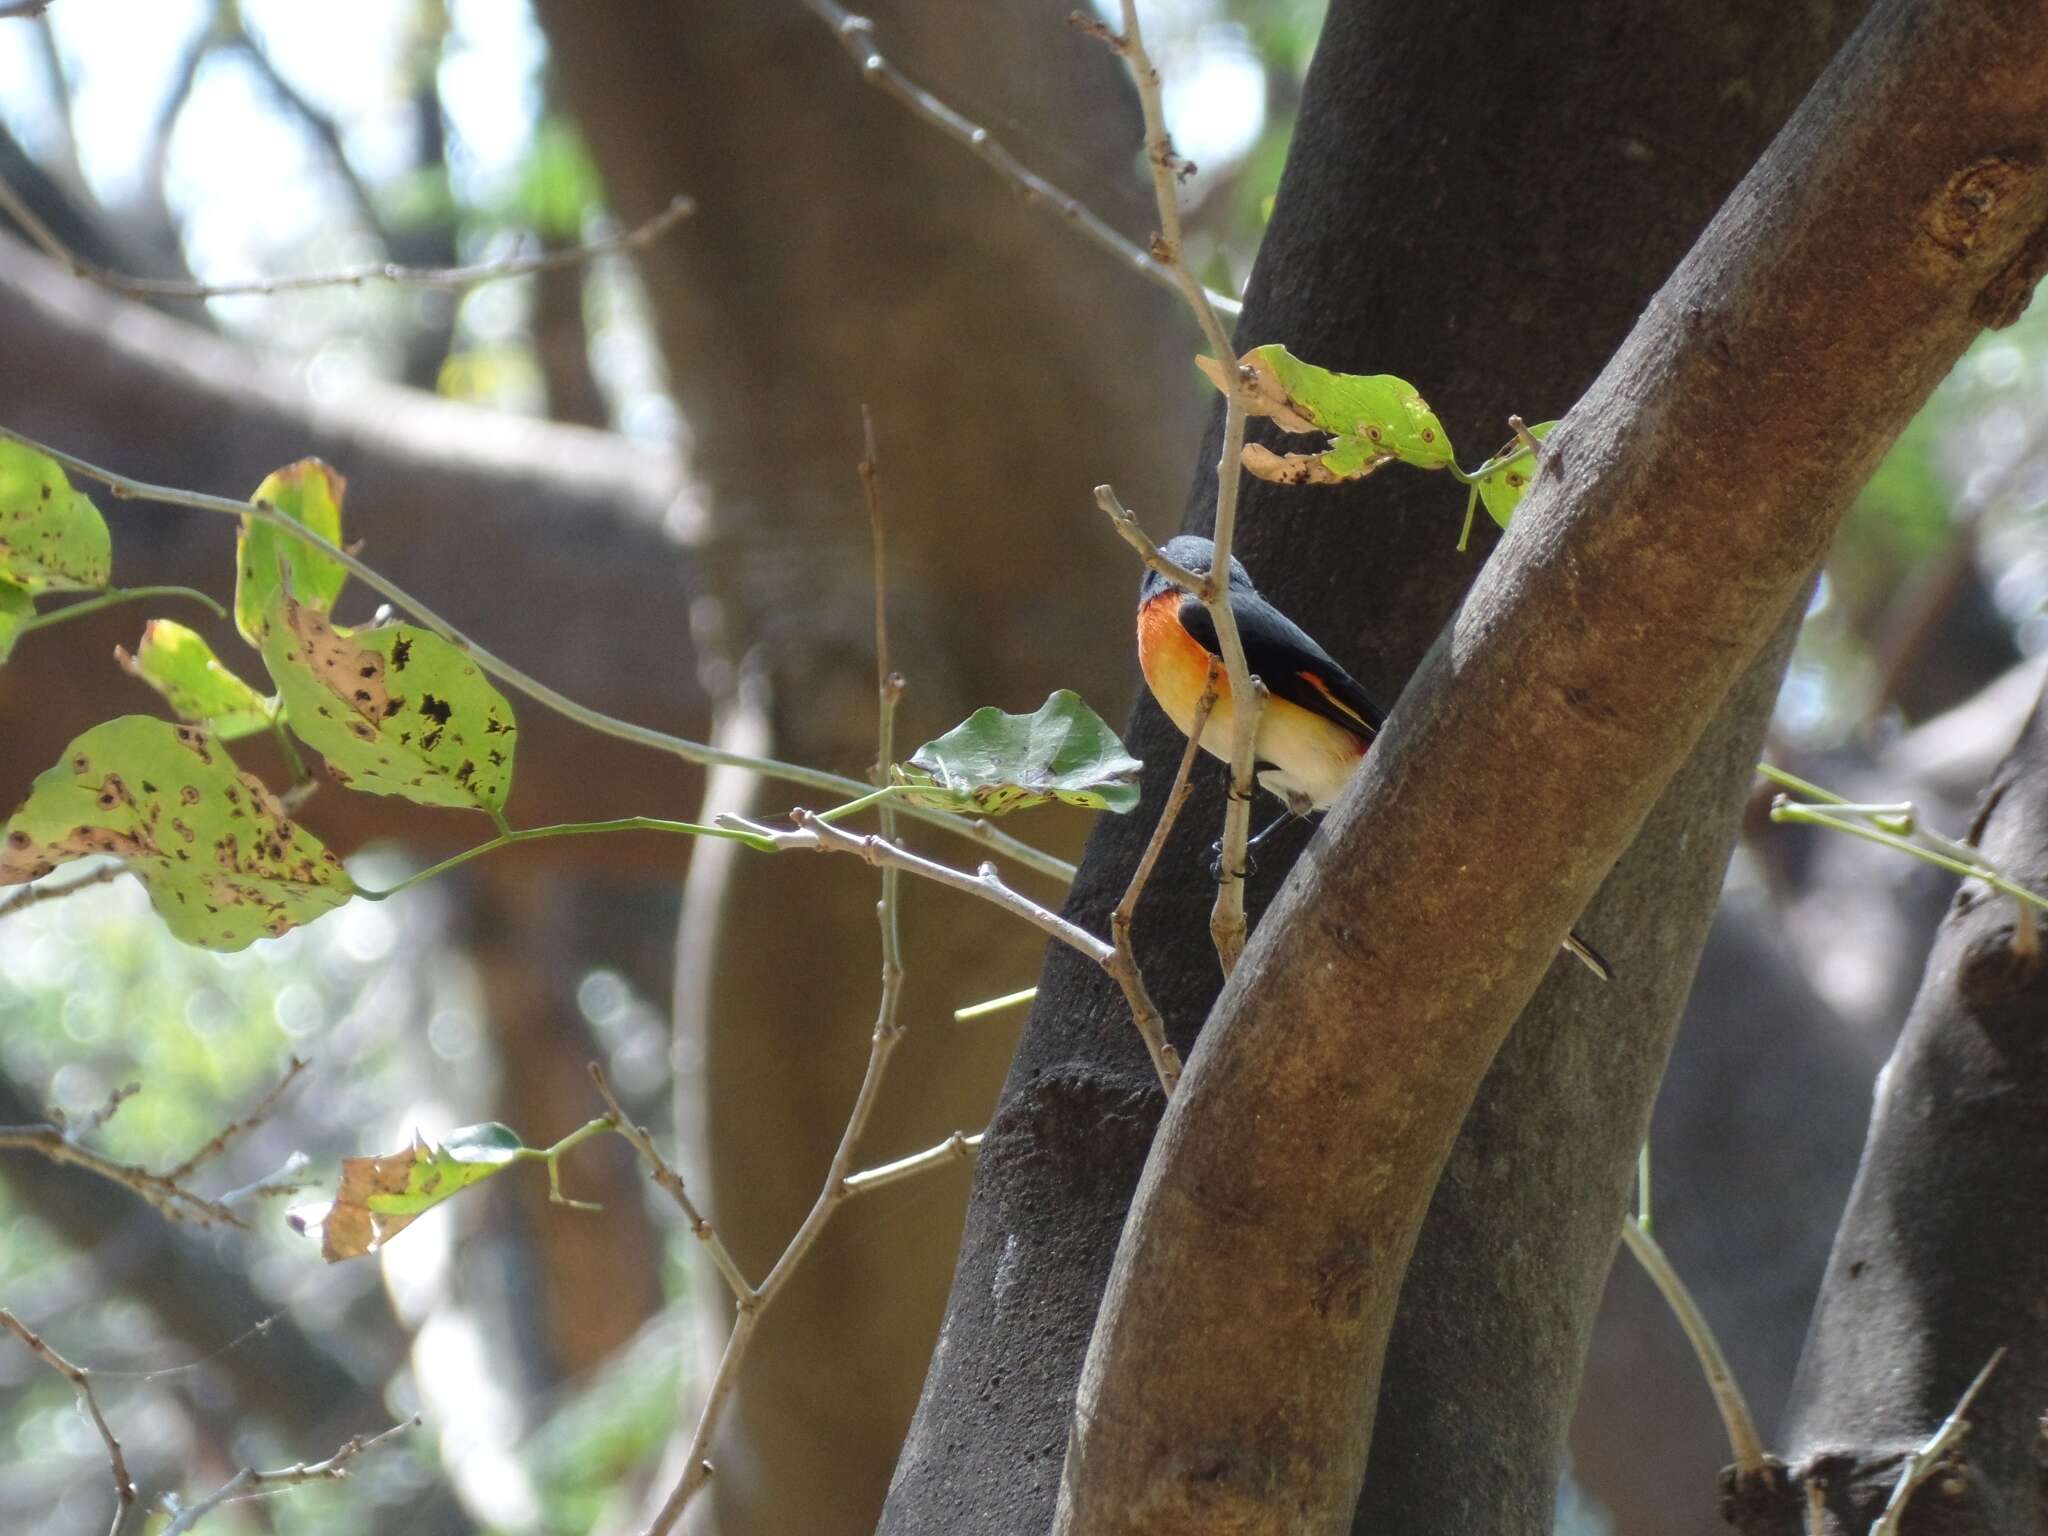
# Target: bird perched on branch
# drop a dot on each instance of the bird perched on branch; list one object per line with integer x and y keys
{"x": 1317, "y": 723}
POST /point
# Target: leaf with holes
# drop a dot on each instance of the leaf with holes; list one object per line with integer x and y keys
{"x": 180, "y": 665}
{"x": 1370, "y": 419}
{"x": 1502, "y": 487}
{"x": 377, "y": 1198}
{"x": 395, "y": 710}
{"x": 223, "y": 864}
{"x": 52, "y": 538}
{"x": 17, "y": 607}
{"x": 992, "y": 762}
{"x": 308, "y": 492}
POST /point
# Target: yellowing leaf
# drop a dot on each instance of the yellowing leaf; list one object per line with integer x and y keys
{"x": 1502, "y": 487}
{"x": 180, "y": 665}
{"x": 1369, "y": 418}
{"x": 52, "y": 538}
{"x": 223, "y": 864}
{"x": 308, "y": 492}
{"x": 17, "y": 607}
{"x": 395, "y": 710}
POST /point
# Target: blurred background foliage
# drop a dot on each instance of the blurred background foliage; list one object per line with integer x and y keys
{"x": 226, "y": 140}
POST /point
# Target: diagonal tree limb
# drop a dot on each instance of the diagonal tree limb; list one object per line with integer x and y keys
{"x": 1700, "y": 481}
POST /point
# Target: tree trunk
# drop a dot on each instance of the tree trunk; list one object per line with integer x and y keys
{"x": 845, "y": 254}
{"x": 1407, "y": 235}
{"x": 1940, "y": 1259}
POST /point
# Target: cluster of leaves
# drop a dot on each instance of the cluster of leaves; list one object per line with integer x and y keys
{"x": 1368, "y": 420}
{"x": 394, "y": 709}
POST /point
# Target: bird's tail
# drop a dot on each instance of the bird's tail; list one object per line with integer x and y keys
{"x": 1588, "y": 956}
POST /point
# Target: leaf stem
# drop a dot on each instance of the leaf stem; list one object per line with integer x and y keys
{"x": 571, "y": 829}
{"x": 113, "y": 598}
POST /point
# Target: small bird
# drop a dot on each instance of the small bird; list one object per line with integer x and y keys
{"x": 1317, "y": 723}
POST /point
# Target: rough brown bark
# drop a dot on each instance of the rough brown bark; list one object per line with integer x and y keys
{"x": 844, "y": 254}
{"x": 1940, "y": 1258}
{"x": 1696, "y": 486}
{"x": 1408, "y": 234}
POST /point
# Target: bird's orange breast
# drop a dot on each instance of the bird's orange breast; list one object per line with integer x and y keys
{"x": 1176, "y": 668}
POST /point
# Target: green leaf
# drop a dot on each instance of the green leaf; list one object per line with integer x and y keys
{"x": 223, "y": 864}
{"x": 376, "y": 1198}
{"x": 309, "y": 493}
{"x": 1370, "y": 419}
{"x": 1503, "y": 487}
{"x": 52, "y": 538}
{"x": 180, "y": 665}
{"x": 17, "y": 607}
{"x": 395, "y": 710}
{"x": 992, "y": 763}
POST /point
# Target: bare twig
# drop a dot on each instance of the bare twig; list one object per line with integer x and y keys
{"x": 813, "y": 835}
{"x": 45, "y": 239}
{"x": 1816, "y": 1504}
{"x": 166, "y": 1191}
{"x": 888, "y": 1031}
{"x": 1227, "y": 920}
{"x": 23, "y": 10}
{"x": 856, "y": 35}
{"x": 671, "y": 1184}
{"x": 1923, "y": 1463}
{"x": 81, "y": 1383}
{"x": 252, "y": 1482}
{"x": 1151, "y": 1028}
{"x": 42, "y": 891}
{"x": 1743, "y": 1438}
{"x": 956, "y": 1148}
{"x": 227, "y": 1134}
{"x": 972, "y": 828}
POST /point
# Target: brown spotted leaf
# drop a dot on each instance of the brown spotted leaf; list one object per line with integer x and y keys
{"x": 52, "y": 538}
{"x": 223, "y": 864}
{"x": 309, "y": 493}
{"x": 395, "y": 710}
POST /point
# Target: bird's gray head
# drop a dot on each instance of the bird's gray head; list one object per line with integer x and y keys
{"x": 1197, "y": 554}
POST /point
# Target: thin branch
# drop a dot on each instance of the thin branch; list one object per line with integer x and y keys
{"x": 23, "y": 10}
{"x": 45, "y": 239}
{"x": 956, "y": 1148}
{"x": 973, "y": 829}
{"x": 81, "y": 1383}
{"x": 813, "y": 834}
{"x": 228, "y": 1134}
{"x": 888, "y": 689}
{"x": 47, "y": 892}
{"x": 1923, "y": 1463}
{"x": 1227, "y": 921}
{"x": 1743, "y": 1438}
{"x": 1151, "y": 1028}
{"x": 251, "y": 1482}
{"x": 671, "y": 1183}
{"x": 888, "y": 1032}
{"x": 856, "y": 35}
{"x": 165, "y": 1191}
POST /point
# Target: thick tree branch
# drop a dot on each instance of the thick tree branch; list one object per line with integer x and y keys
{"x": 1698, "y": 483}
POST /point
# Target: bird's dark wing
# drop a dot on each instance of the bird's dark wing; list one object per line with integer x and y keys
{"x": 1291, "y": 665}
